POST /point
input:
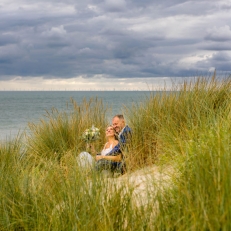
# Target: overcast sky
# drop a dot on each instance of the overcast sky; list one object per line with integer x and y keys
{"x": 111, "y": 44}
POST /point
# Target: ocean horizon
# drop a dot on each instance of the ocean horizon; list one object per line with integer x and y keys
{"x": 18, "y": 108}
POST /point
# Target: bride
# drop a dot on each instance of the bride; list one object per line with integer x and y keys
{"x": 108, "y": 159}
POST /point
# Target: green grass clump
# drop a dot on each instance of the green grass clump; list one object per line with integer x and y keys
{"x": 60, "y": 132}
{"x": 43, "y": 197}
{"x": 186, "y": 129}
{"x": 168, "y": 119}
{"x": 200, "y": 198}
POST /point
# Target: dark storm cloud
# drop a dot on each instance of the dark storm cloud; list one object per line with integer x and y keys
{"x": 219, "y": 34}
{"x": 214, "y": 46}
{"x": 7, "y": 39}
{"x": 113, "y": 38}
{"x": 221, "y": 59}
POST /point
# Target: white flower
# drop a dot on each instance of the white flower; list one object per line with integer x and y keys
{"x": 91, "y": 134}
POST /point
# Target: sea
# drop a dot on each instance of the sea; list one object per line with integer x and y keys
{"x": 18, "y": 108}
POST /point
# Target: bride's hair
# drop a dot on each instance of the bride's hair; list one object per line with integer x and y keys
{"x": 115, "y": 135}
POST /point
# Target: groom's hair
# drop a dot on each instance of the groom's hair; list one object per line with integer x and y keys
{"x": 120, "y": 116}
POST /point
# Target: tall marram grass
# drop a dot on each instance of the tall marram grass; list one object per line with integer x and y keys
{"x": 165, "y": 121}
{"x": 43, "y": 197}
{"x": 188, "y": 128}
{"x": 60, "y": 132}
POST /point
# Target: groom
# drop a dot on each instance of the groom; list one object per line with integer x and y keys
{"x": 124, "y": 136}
{"x": 124, "y": 132}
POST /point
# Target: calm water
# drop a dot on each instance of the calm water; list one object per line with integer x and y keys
{"x": 19, "y": 108}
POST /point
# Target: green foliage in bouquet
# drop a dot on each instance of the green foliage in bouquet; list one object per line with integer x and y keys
{"x": 91, "y": 134}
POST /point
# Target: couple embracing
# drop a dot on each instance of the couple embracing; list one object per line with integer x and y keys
{"x": 111, "y": 157}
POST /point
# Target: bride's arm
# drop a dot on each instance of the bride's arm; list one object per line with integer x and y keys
{"x": 114, "y": 155}
{"x": 113, "y": 158}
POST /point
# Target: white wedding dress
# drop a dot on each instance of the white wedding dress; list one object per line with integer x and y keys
{"x": 86, "y": 161}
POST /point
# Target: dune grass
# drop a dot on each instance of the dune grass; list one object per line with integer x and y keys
{"x": 60, "y": 132}
{"x": 169, "y": 119}
{"x": 188, "y": 128}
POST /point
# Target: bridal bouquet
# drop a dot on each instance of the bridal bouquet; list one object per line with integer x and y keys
{"x": 91, "y": 134}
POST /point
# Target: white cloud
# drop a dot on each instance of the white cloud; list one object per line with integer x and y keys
{"x": 98, "y": 83}
{"x": 190, "y": 61}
